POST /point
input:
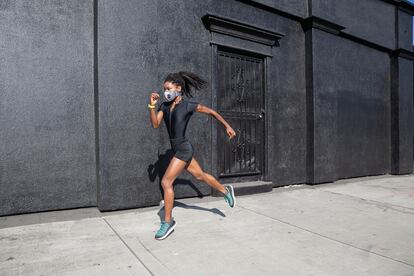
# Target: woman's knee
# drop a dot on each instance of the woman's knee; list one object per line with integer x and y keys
{"x": 166, "y": 183}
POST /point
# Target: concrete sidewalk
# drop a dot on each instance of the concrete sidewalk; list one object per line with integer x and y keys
{"x": 360, "y": 226}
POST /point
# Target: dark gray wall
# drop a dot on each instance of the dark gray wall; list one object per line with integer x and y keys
{"x": 405, "y": 30}
{"x": 373, "y": 20}
{"x": 296, "y": 8}
{"x": 401, "y": 116}
{"x": 287, "y": 103}
{"x": 46, "y": 112}
{"x": 71, "y": 69}
{"x": 351, "y": 108}
{"x": 127, "y": 66}
{"x": 361, "y": 95}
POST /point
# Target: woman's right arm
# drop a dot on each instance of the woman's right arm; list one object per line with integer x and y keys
{"x": 156, "y": 117}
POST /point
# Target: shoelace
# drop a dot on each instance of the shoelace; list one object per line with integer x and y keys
{"x": 164, "y": 226}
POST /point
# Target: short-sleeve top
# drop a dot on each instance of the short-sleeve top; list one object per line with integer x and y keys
{"x": 180, "y": 116}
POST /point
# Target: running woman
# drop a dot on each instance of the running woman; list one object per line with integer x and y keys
{"x": 176, "y": 112}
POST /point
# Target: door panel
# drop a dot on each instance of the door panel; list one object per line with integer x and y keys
{"x": 240, "y": 101}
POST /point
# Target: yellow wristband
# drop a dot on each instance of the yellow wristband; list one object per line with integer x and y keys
{"x": 151, "y": 106}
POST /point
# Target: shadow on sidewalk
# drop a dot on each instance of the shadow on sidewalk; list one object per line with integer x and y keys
{"x": 186, "y": 206}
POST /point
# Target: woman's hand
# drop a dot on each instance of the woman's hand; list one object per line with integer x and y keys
{"x": 230, "y": 132}
{"x": 154, "y": 97}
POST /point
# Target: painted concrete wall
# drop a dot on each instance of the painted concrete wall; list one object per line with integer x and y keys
{"x": 46, "y": 112}
{"x": 297, "y": 8}
{"x": 66, "y": 98}
{"x": 352, "y": 107}
{"x": 373, "y": 20}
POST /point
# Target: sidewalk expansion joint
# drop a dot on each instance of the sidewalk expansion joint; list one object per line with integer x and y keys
{"x": 155, "y": 257}
{"x": 391, "y": 206}
{"x": 129, "y": 248}
{"x": 326, "y": 237}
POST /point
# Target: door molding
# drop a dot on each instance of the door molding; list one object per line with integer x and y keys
{"x": 233, "y": 33}
{"x": 227, "y": 33}
{"x": 233, "y": 27}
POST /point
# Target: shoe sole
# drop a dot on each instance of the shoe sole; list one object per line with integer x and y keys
{"x": 232, "y": 194}
{"x": 168, "y": 232}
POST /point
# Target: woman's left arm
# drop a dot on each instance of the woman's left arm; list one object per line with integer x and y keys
{"x": 204, "y": 109}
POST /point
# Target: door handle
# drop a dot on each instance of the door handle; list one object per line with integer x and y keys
{"x": 260, "y": 116}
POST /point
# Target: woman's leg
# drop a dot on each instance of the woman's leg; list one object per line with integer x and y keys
{"x": 174, "y": 169}
{"x": 195, "y": 169}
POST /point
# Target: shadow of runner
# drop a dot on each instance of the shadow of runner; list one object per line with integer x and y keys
{"x": 195, "y": 207}
{"x": 158, "y": 170}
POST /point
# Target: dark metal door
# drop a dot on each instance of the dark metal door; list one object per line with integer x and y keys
{"x": 240, "y": 101}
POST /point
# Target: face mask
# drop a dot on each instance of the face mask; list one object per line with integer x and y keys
{"x": 170, "y": 95}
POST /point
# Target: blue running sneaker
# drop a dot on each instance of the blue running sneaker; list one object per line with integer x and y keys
{"x": 165, "y": 229}
{"x": 229, "y": 196}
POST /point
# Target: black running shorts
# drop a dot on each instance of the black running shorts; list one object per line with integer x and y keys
{"x": 182, "y": 148}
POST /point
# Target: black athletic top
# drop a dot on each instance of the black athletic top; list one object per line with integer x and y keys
{"x": 177, "y": 120}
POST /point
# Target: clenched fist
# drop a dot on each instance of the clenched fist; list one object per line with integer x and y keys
{"x": 230, "y": 132}
{"x": 154, "y": 97}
